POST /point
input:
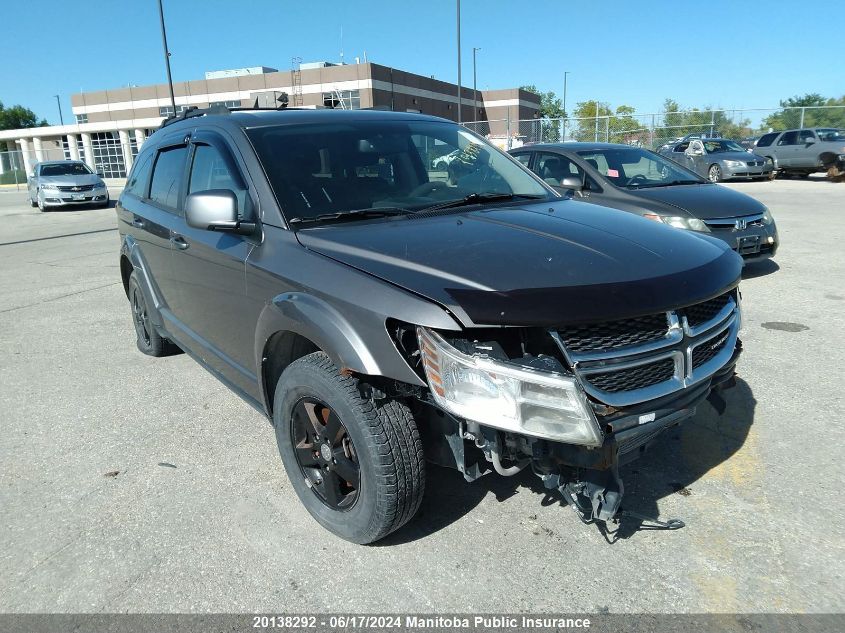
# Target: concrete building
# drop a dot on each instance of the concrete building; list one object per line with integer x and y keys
{"x": 111, "y": 125}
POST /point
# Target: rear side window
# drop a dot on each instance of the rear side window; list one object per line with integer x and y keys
{"x": 140, "y": 176}
{"x": 167, "y": 177}
{"x": 523, "y": 158}
{"x": 211, "y": 171}
{"x": 767, "y": 139}
{"x": 789, "y": 138}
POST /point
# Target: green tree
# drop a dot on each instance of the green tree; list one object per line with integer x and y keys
{"x": 18, "y": 117}
{"x": 591, "y": 120}
{"x": 790, "y": 114}
{"x": 551, "y": 107}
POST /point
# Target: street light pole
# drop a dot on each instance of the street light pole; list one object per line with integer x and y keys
{"x": 166, "y": 56}
{"x": 474, "y": 89}
{"x": 564, "y": 94}
{"x": 459, "y": 60}
{"x": 59, "y": 103}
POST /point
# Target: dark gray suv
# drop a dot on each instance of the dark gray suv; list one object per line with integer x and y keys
{"x": 381, "y": 313}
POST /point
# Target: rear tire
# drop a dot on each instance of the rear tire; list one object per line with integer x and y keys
{"x": 357, "y": 465}
{"x": 148, "y": 340}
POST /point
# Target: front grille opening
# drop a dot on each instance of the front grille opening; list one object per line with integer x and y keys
{"x": 632, "y": 378}
{"x": 703, "y": 312}
{"x": 707, "y": 351}
{"x": 612, "y": 335}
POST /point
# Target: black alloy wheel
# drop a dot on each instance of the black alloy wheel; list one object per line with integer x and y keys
{"x": 325, "y": 454}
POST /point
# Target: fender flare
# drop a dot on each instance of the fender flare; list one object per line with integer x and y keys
{"x": 129, "y": 249}
{"x": 319, "y": 322}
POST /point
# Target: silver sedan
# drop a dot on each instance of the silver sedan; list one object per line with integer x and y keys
{"x": 718, "y": 159}
{"x": 65, "y": 183}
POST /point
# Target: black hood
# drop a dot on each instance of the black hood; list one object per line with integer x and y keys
{"x": 542, "y": 264}
{"x": 704, "y": 201}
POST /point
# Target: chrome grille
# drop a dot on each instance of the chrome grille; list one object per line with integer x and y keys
{"x": 75, "y": 188}
{"x": 734, "y": 224}
{"x": 620, "y": 367}
{"x": 615, "y": 334}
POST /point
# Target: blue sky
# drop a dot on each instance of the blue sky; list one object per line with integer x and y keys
{"x": 727, "y": 54}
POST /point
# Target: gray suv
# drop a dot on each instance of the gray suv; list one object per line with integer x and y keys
{"x": 381, "y": 313}
{"x": 803, "y": 152}
{"x": 65, "y": 183}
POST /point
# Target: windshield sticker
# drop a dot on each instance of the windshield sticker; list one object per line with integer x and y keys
{"x": 612, "y": 173}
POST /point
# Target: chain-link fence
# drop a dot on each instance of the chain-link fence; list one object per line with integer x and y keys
{"x": 653, "y": 130}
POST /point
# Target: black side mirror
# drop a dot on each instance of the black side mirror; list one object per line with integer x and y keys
{"x": 216, "y": 210}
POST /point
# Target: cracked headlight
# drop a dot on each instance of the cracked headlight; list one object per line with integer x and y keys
{"x": 679, "y": 222}
{"x": 507, "y": 397}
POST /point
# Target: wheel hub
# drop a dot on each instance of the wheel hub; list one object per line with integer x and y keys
{"x": 326, "y": 452}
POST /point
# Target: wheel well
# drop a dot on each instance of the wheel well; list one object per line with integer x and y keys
{"x": 281, "y": 350}
{"x": 125, "y": 271}
{"x": 827, "y": 158}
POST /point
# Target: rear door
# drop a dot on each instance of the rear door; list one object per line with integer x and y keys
{"x": 211, "y": 266}
{"x": 787, "y": 149}
{"x": 149, "y": 208}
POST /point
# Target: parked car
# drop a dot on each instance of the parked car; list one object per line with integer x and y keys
{"x": 488, "y": 325}
{"x": 719, "y": 159}
{"x": 749, "y": 142}
{"x": 687, "y": 137}
{"x": 803, "y": 152}
{"x": 647, "y": 184}
{"x": 441, "y": 163}
{"x": 60, "y": 183}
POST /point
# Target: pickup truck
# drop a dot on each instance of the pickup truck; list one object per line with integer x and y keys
{"x": 383, "y": 315}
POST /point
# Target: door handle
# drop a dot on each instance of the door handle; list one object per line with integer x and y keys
{"x": 179, "y": 242}
{"x": 138, "y": 223}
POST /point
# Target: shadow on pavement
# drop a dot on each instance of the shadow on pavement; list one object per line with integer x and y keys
{"x": 760, "y": 269}
{"x": 678, "y": 458}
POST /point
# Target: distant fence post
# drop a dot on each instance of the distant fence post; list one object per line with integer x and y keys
{"x": 651, "y": 133}
{"x": 607, "y": 129}
{"x": 508, "y": 132}
{"x": 802, "y": 118}
{"x": 563, "y": 130}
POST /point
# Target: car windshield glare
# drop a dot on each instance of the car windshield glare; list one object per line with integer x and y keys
{"x": 636, "y": 168}
{"x": 337, "y": 168}
{"x": 716, "y": 147}
{"x": 65, "y": 169}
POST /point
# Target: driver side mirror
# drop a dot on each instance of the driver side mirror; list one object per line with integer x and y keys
{"x": 216, "y": 210}
{"x": 810, "y": 140}
{"x": 572, "y": 182}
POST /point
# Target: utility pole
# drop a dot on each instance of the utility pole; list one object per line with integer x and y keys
{"x": 459, "y": 60}
{"x": 166, "y": 57}
{"x": 564, "y": 94}
{"x": 474, "y": 89}
{"x": 59, "y": 103}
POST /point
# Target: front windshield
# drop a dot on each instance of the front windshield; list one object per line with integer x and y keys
{"x": 335, "y": 168}
{"x": 65, "y": 169}
{"x": 831, "y": 135}
{"x": 631, "y": 167}
{"x": 717, "y": 147}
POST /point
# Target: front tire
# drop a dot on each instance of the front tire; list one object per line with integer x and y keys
{"x": 356, "y": 464}
{"x": 714, "y": 173}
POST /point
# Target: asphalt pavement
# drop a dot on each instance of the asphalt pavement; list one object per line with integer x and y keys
{"x": 132, "y": 484}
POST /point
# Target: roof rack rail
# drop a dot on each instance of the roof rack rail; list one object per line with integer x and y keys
{"x": 193, "y": 111}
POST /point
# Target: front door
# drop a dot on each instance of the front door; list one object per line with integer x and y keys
{"x": 787, "y": 149}
{"x": 210, "y": 269}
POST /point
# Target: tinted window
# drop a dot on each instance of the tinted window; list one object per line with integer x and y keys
{"x": 789, "y": 138}
{"x": 65, "y": 169}
{"x": 167, "y": 177}
{"x": 767, "y": 139}
{"x": 553, "y": 168}
{"x": 211, "y": 170}
{"x": 523, "y": 158}
{"x": 804, "y": 135}
{"x": 140, "y": 176}
{"x": 682, "y": 147}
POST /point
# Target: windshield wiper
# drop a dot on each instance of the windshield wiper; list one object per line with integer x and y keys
{"x": 375, "y": 212}
{"x": 478, "y": 198}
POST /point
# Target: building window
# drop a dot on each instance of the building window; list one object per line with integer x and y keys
{"x": 82, "y": 118}
{"x": 168, "y": 110}
{"x": 108, "y": 154}
{"x": 343, "y": 99}
{"x": 225, "y": 104}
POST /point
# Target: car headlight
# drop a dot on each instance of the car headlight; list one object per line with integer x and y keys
{"x": 733, "y": 164}
{"x": 49, "y": 186}
{"x": 507, "y": 397}
{"x": 690, "y": 224}
{"x": 767, "y": 219}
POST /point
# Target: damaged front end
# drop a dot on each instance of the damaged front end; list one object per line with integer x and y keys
{"x": 576, "y": 402}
